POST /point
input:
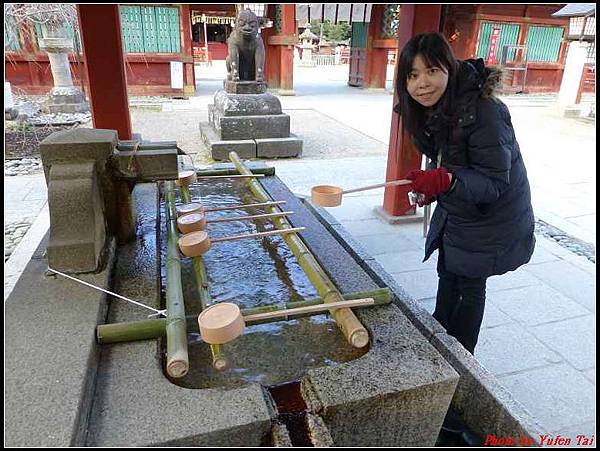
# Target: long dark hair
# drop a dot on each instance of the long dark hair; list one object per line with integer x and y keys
{"x": 435, "y": 51}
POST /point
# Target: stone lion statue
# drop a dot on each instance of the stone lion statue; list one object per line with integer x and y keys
{"x": 246, "y": 59}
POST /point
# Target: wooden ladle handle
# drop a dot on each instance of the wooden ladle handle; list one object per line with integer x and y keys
{"x": 257, "y": 234}
{"x": 235, "y": 207}
{"x": 247, "y": 218}
{"x": 379, "y": 185}
{"x": 310, "y": 308}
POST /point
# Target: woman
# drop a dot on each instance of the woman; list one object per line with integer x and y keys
{"x": 483, "y": 223}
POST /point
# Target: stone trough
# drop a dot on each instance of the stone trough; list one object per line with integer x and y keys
{"x": 64, "y": 389}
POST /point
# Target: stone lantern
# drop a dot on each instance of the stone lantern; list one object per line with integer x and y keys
{"x": 64, "y": 97}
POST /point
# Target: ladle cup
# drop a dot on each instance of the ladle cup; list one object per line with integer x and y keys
{"x": 195, "y": 207}
{"x": 331, "y": 196}
{"x": 223, "y": 322}
{"x": 198, "y": 243}
{"x": 194, "y": 222}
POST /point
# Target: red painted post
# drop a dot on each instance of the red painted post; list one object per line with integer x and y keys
{"x": 377, "y": 58}
{"x": 402, "y": 155}
{"x": 288, "y": 28}
{"x": 185, "y": 25}
{"x": 105, "y": 67}
{"x": 272, "y": 54}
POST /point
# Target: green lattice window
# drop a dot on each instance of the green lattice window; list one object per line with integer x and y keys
{"x": 150, "y": 29}
{"x": 509, "y": 35}
{"x": 543, "y": 43}
{"x": 390, "y": 21}
{"x": 12, "y": 41}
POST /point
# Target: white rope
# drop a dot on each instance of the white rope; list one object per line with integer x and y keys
{"x": 157, "y": 312}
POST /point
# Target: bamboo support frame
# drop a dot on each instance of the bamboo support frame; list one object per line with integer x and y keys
{"x": 154, "y": 328}
{"x": 219, "y": 359}
{"x": 177, "y": 355}
{"x": 353, "y": 330}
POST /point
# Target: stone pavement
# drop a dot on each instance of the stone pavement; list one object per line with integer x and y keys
{"x": 538, "y": 334}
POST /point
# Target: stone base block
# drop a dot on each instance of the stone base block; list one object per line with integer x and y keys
{"x": 66, "y": 100}
{"x": 244, "y": 87}
{"x": 245, "y": 148}
{"x": 265, "y": 104}
{"x": 252, "y": 127}
{"x": 279, "y": 147}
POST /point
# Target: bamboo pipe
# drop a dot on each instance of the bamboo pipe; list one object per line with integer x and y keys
{"x": 155, "y": 328}
{"x": 219, "y": 358}
{"x": 177, "y": 355}
{"x": 353, "y": 330}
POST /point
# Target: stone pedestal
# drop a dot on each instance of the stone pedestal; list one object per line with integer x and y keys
{"x": 246, "y": 119}
{"x": 80, "y": 197}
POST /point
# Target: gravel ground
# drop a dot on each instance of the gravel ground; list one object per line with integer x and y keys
{"x": 569, "y": 242}
{"x": 13, "y": 233}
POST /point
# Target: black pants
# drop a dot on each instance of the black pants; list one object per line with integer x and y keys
{"x": 459, "y": 305}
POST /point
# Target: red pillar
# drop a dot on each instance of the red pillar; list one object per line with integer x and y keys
{"x": 402, "y": 154}
{"x": 185, "y": 25}
{"x": 272, "y": 54}
{"x": 375, "y": 71}
{"x": 288, "y": 28}
{"x": 105, "y": 67}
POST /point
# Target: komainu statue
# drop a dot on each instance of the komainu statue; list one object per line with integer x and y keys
{"x": 246, "y": 59}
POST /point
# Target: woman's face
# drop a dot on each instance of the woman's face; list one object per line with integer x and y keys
{"x": 426, "y": 84}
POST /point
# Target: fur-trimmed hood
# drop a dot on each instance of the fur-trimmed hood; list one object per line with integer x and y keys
{"x": 474, "y": 75}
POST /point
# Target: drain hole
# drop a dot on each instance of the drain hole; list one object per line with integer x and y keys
{"x": 292, "y": 411}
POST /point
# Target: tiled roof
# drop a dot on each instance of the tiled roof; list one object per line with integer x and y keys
{"x": 576, "y": 9}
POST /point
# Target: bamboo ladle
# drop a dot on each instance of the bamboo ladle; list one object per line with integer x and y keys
{"x": 194, "y": 222}
{"x": 195, "y": 207}
{"x": 185, "y": 178}
{"x": 198, "y": 243}
{"x": 223, "y": 322}
{"x": 331, "y": 196}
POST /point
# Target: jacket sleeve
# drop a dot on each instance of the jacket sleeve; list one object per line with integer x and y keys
{"x": 489, "y": 147}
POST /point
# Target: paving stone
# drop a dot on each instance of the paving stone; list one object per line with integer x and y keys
{"x": 569, "y": 280}
{"x": 574, "y": 339}
{"x": 535, "y": 305}
{"x": 388, "y": 243}
{"x": 520, "y": 350}
{"x": 493, "y": 317}
{"x": 513, "y": 279}
{"x": 561, "y": 396}
{"x": 419, "y": 284}
{"x": 366, "y": 227}
{"x": 578, "y": 433}
{"x": 405, "y": 261}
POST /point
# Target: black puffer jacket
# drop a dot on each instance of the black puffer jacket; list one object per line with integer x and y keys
{"x": 485, "y": 222}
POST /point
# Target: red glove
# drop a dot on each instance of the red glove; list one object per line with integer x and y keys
{"x": 430, "y": 182}
{"x": 425, "y": 201}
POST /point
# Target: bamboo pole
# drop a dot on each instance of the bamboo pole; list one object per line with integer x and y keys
{"x": 233, "y": 171}
{"x": 353, "y": 330}
{"x": 154, "y": 328}
{"x": 177, "y": 354}
{"x": 219, "y": 359}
